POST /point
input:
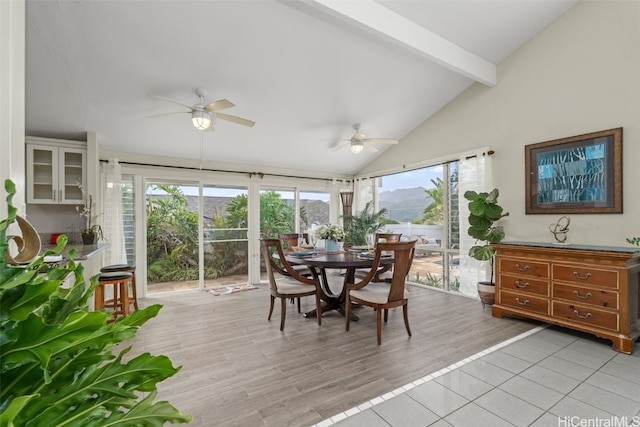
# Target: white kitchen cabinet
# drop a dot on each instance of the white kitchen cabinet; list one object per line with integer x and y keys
{"x": 55, "y": 171}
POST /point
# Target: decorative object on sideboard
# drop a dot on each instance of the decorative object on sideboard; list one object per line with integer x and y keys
{"x": 560, "y": 230}
{"x": 634, "y": 240}
{"x": 29, "y": 244}
{"x": 484, "y": 211}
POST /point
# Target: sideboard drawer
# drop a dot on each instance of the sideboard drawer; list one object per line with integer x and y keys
{"x": 524, "y": 267}
{"x": 525, "y": 302}
{"x": 586, "y": 315}
{"x": 524, "y": 284}
{"x": 586, "y": 275}
{"x": 594, "y": 289}
{"x": 587, "y": 296}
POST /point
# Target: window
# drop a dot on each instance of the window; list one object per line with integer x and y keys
{"x": 128, "y": 214}
{"x": 422, "y": 204}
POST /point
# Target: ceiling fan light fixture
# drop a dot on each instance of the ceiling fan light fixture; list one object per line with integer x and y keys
{"x": 201, "y": 120}
{"x": 356, "y": 147}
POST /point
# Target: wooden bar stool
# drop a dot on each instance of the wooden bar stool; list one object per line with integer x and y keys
{"x": 120, "y": 301}
{"x": 128, "y": 268}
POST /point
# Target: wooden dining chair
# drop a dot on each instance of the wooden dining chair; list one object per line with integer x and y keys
{"x": 291, "y": 284}
{"x": 289, "y": 240}
{"x": 385, "y": 271}
{"x": 381, "y": 296}
{"x": 388, "y": 237}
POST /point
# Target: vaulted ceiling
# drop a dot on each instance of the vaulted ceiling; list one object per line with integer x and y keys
{"x": 304, "y": 71}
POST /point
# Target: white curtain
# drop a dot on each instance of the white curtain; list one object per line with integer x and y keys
{"x": 112, "y": 225}
{"x": 474, "y": 174}
{"x": 363, "y": 193}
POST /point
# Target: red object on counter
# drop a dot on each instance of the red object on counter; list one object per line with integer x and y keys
{"x": 54, "y": 238}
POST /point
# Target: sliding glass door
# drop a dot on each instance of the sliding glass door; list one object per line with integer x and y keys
{"x": 173, "y": 259}
{"x": 422, "y": 204}
{"x": 225, "y": 241}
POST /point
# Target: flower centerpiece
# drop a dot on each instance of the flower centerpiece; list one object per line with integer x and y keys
{"x": 91, "y": 230}
{"x": 332, "y": 234}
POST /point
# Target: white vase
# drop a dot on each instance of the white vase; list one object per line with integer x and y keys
{"x": 330, "y": 245}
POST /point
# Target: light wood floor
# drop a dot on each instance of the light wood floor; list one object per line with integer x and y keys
{"x": 238, "y": 369}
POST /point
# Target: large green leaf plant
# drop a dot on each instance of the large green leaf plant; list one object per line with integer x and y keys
{"x": 484, "y": 211}
{"x": 367, "y": 221}
{"x": 57, "y": 365}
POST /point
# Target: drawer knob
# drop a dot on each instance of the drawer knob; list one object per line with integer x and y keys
{"x": 525, "y": 302}
{"x": 521, "y": 285}
{"x": 525, "y": 268}
{"x": 577, "y": 313}
{"x": 585, "y": 296}
{"x": 585, "y": 277}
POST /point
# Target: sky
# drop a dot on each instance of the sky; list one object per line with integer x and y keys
{"x": 411, "y": 179}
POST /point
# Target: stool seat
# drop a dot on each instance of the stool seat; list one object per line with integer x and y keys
{"x": 116, "y": 275}
{"x": 130, "y": 268}
{"x": 117, "y": 267}
{"x": 120, "y": 301}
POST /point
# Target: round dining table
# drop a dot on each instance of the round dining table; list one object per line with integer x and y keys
{"x": 319, "y": 263}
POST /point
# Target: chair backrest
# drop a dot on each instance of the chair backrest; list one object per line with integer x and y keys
{"x": 272, "y": 247}
{"x": 290, "y": 240}
{"x": 389, "y": 237}
{"x": 403, "y": 258}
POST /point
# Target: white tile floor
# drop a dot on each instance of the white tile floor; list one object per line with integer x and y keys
{"x": 546, "y": 377}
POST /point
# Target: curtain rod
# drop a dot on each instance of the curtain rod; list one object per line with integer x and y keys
{"x": 251, "y": 174}
{"x": 404, "y": 167}
{"x": 488, "y": 153}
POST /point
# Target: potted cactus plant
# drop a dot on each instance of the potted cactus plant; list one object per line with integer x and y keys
{"x": 484, "y": 211}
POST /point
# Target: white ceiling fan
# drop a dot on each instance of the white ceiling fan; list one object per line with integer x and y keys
{"x": 359, "y": 141}
{"x": 202, "y": 114}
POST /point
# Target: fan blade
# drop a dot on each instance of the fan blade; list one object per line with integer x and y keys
{"x": 369, "y": 147}
{"x": 382, "y": 140}
{"x": 176, "y": 102}
{"x": 218, "y": 105}
{"x": 341, "y": 146}
{"x": 234, "y": 119}
{"x": 156, "y": 116}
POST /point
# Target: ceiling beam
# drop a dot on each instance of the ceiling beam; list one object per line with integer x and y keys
{"x": 379, "y": 20}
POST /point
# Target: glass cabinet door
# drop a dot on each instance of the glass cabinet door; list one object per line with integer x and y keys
{"x": 55, "y": 175}
{"x": 72, "y": 175}
{"x": 42, "y": 174}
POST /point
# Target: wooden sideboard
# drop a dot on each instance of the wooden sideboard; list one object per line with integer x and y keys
{"x": 588, "y": 288}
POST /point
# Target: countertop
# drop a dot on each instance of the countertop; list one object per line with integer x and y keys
{"x": 572, "y": 246}
{"x": 83, "y": 252}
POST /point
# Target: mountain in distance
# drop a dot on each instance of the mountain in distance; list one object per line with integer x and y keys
{"x": 401, "y": 194}
{"x": 404, "y": 204}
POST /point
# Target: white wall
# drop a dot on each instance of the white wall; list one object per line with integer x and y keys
{"x": 580, "y": 75}
{"x": 12, "y": 80}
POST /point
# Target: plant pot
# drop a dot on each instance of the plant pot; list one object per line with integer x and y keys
{"x": 88, "y": 238}
{"x": 487, "y": 293}
{"x": 331, "y": 245}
